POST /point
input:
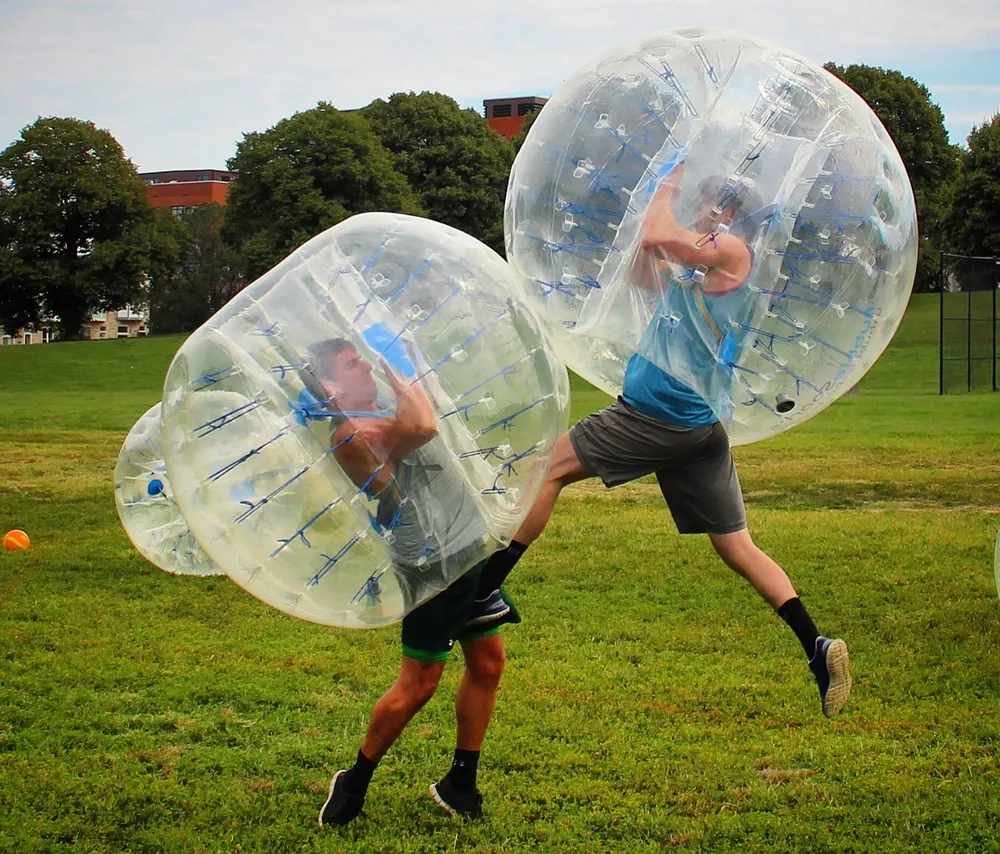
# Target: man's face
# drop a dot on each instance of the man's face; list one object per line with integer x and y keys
{"x": 350, "y": 381}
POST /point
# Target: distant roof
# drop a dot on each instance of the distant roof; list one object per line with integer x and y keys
{"x": 187, "y": 175}
{"x": 534, "y": 99}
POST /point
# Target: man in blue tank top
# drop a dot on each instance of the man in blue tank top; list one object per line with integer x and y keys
{"x": 662, "y": 425}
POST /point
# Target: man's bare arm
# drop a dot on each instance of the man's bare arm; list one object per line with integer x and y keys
{"x": 367, "y": 448}
{"x": 726, "y": 258}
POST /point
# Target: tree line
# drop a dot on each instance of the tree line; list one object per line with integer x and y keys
{"x": 78, "y": 233}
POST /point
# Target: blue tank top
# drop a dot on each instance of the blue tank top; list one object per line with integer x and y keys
{"x": 679, "y": 372}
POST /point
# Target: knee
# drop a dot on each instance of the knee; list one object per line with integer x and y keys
{"x": 424, "y": 687}
{"x": 412, "y": 694}
{"x": 736, "y": 550}
{"x": 553, "y": 479}
{"x": 488, "y": 667}
{"x": 565, "y": 467}
{"x": 556, "y": 476}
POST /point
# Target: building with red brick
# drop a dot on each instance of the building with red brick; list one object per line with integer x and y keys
{"x": 507, "y": 115}
{"x": 186, "y": 189}
{"x": 124, "y": 323}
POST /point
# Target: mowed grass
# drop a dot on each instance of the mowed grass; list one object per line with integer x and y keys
{"x": 651, "y": 700}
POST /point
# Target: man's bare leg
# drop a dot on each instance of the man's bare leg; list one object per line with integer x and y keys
{"x": 484, "y": 662}
{"x": 415, "y": 685}
{"x": 743, "y": 556}
{"x": 828, "y": 658}
{"x": 565, "y": 469}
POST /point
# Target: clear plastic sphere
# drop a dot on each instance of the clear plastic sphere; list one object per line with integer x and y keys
{"x": 775, "y": 151}
{"x": 276, "y": 414}
{"x": 996, "y": 562}
{"x": 146, "y": 507}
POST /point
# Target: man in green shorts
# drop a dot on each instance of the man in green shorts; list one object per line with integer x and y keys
{"x": 398, "y": 459}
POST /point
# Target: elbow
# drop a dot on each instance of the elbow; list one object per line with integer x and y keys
{"x": 422, "y": 431}
{"x": 650, "y": 242}
{"x": 428, "y": 431}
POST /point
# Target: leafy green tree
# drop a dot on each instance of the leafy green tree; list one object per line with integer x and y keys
{"x": 916, "y": 125}
{"x": 206, "y": 275}
{"x": 19, "y": 287}
{"x": 522, "y": 134}
{"x": 453, "y": 160}
{"x": 974, "y": 225}
{"x": 303, "y": 175}
{"x": 77, "y": 231}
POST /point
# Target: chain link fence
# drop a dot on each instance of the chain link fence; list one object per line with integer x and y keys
{"x": 968, "y": 323}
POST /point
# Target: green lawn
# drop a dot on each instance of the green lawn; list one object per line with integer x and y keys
{"x": 651, "y": 700}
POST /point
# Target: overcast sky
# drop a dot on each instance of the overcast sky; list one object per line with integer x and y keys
{"x": 179, "y": 82}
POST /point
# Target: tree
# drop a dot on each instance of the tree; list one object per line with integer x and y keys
{"x": 973, "y": 225}
{"x": 916, "y": 125}
{"x": 19, "y": 304}
{"x": 303, "y": 175}
{"x": 453, "y": 160}
{"x": 206, "y": 275}
{"x": 77, "y": 231}
{"x": 522, "y": 134}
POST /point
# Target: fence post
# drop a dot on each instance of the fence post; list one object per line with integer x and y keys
{"x": 941, "y": 327}
{"x": 968, "y": 340}
{"x": 995, "y": 262}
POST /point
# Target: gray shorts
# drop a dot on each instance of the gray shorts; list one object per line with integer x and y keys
{"x": 693, "y": 465}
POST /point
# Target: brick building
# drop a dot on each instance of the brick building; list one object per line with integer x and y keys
{"x": 182, "y": 190}
{"x": 124, "y": 323}
{"x": 41, "y": 335}
{"x": 186, "y": 189}
{"x": 506, "y": 115}
{"x": 179, "y": 191}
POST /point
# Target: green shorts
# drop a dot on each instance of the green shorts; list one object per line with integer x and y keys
{"x": 430, "y": 631}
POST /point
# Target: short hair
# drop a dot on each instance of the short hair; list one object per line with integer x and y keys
{"x": 744, "y": 202}
{"x": 319, "y": 356}
{"x": 322, "y": 353}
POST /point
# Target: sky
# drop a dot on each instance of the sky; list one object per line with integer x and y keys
{"x": 180, "y": 82}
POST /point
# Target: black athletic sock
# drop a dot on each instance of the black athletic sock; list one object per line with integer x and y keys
{"x": 794, "y": 613}
{"x": 498, "y": 567}
{"x": 463, "y": 770}
{"x": 357, "y": 779}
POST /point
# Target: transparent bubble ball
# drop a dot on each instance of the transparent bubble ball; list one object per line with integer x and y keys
{"x": 822, "y": 199}
{"x": 266, "y": 408}
{"x": 146, "y": 506}
{"x": 996, "y": 562}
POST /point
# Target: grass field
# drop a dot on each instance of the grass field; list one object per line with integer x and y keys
{"x": 651, "y": 700}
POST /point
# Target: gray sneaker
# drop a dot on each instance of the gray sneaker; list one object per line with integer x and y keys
{"x": 831, "y": 665}
{"x": 488, "y": 610}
